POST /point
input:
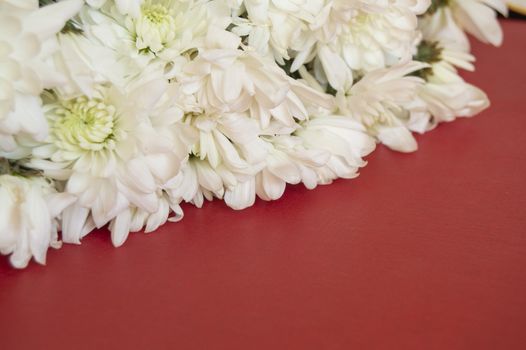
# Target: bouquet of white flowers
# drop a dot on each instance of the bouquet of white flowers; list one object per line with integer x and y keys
{"x": 117, "y": 111}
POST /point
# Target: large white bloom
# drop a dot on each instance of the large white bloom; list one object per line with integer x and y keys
{"x": 111, "y": 153}
{"x": 378, "y": 35}
{"x": 241, "y": 96}
{"x": 344, "y": 37}
{"x": 140, "y": 31}
{"x": 28, "y": 218}
{"x": 27, "y": 39}
{"x": 349, "y": 38}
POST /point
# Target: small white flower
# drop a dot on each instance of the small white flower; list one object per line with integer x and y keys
{"x": 379, "y": 100}
{"x": 344, "y": 139}
{"x": 448, "y": 96}
{"x": 445, "y": 94}
{"x": 324, "y": 148}
{"x": 28, "y": 218}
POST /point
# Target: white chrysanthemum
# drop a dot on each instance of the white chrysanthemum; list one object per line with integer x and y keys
{"x": 28, "y": 218}
{"x": 445, "y": 94}
{"x": 27, "y": 39}
{"x": 111, "y": 153}
{"x": 86, "y": 64}
{"x": 241, "y": 96}
{"x": 148, "y": 29}
{"x": 230, "y": 80}
{"x": 345, "y": 140}
{"x": 343, "y": 36}
{"x": 351, "y": 37}
{"x": 288, "y": 162}
{"x": 448, "y": 96}
{"x": 272, "y": 27}
{"x": 154, "y": 28}
{"x": 226, "y": 153}
{"x": 378, "y": 39}
{"x": 477, "y": 17}
{"x": 324, "y": 148}
{"x": 378, "y": 101}
{"x": 440, "y": 25}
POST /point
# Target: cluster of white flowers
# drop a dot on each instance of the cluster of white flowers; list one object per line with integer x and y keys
{"x": 114, "y": 112}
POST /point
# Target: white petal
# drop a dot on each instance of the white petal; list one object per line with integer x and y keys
{"x": 120, "y": 228}
{"x": 397, "y": 138}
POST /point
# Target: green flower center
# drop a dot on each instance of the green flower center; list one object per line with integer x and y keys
{"x": 84, "y": 124}
{"x": 428, "y": 52}
{"x": 155, "y": 27}
{"x": 436, "y": 5}
{"x": 155, "y": 13}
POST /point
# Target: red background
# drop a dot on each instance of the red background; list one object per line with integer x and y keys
{"x": 422, "y": 251}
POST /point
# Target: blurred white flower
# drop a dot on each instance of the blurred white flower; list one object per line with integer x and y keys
{"x": 440, "y": 25}
{"x": 27, "y": 39}
{"x": 448, "y": 96}
{"x": 28, "y": 218}
{"x": 477, "y": 17}
{"x": 445, "y": 94}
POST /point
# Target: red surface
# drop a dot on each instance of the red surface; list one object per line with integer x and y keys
{"x": 422, "y": 251}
